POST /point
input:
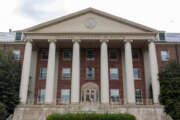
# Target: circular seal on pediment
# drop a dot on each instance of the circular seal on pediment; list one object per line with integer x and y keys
{"x": 90, "y": 23}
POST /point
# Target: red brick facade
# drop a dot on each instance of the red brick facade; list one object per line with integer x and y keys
{"x": 113, "y": 84}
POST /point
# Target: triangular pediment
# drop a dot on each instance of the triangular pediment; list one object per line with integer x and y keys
{"x": 89, "y": 20}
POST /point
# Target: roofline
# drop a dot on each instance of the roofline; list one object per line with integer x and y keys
{"x": 69, "y": 16}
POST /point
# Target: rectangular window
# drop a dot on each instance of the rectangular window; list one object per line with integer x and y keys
{"x": 41, "y": 95}
{"x": 65, "y": 95}
{"x": 16, "y": 54}
{"x": 44, "y": 55}
{"x": 112, "y": 54}
{"x": 138, "y": 95}
{"x": 136, "y": 73}
{"x": 162, "y": 36}
{"x": 67, "y": 54}
{"x": 114, "y": 95}
{"x": 18, "y": 36}
{"x": 114, "y": 74}
{"x": 164, "y": 55}
{"x": 66, "y": 73}
{"x": 43, "y": 73}
{"x": 90, "y": 73}
{"x": 136, "y": 53}
{"x": 90, "y": 54}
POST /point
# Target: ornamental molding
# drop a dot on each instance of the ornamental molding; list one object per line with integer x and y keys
{"x": 90, "y": 23}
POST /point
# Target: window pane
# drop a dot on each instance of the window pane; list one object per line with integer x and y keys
{"x": 44, "y": 55}
{"x": 114, "y": 95}
{"x": 114, "y": 73}
{"x": 18, "y": 36}
{"x": 43, "y": 73}
{"x": 161, "y": 36}
{"x": 66, "y": 73}
{"x": 164, "y": 55}
{"x": 135, "y": 53}
{"x": 136, "y": 73}
{"x": 65, "y": 93}
{"x": 16, "y": 54}
{"x": 112, "y": 54}
{"x": 41, "y": 95}
{"x": 90, "y": 54}
{"x": 90, "y": 73}
{"x": 138, "y": 96}
{"x": 67, "y": 54}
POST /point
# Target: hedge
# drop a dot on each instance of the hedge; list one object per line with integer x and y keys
{"x": 3, "y": 112}
{"x": 90, "y": 116}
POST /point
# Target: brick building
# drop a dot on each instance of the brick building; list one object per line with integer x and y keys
{"x": 90, "y": 61}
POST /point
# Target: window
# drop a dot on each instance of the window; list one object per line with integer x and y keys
{"x": 136, "y": 54}
{"x": 162, "y": 36}
{"x": 44, "y": 55}
{"x": 43, "y": 73}
{"x": 90, "y": 73}
{"x": 16, "y": 54}
{"x": 67, "y": 54}
{"x": 65, "y": 95}
{"x": 41, "y": 95}
{"x": 138, "y": 95}
{"x": 18, "y": 36}
{"x": 164, "y": 55}
{"x": 90, "y": 54}
{"x": 66, "y": 73}
{"x": 136, "y": 73}
{"x": 114, "y": 73}
{"x": 113, "y": 54}
{"x": 114, "y": 95}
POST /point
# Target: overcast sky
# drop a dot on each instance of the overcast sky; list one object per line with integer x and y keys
{"x": 158, "y": 14}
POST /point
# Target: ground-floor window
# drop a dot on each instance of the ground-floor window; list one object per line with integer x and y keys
{"x": 41, "y": 95}
{"x": 65, "y": 96}
{"x": 138, "y": 93}
{"x": 114, "y": 95}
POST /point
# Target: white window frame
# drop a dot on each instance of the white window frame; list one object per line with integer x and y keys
{"x": 139, "y": 74}
{"x": 42, "y": 73}
{"x": 88, "y": 72}
{"x": 65, "y": 93}
{"x": 115, "y": 93}
{"x": 41, "y": 95}
{"x": 64, "y": 72}
{"x": 138, "y": 101}
{"x": 163, "y": 55}
{"x": 17, "y": 54}
{"x": 111, "y": 73}
{"x": 69, "y": 51}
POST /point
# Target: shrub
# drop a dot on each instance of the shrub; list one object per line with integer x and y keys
{"x": 90, "y": 116}
{"x": 3, "y": 113}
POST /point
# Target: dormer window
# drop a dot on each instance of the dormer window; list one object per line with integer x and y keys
{"x": 19, "y": 36}
{"x": 162, "y": 36}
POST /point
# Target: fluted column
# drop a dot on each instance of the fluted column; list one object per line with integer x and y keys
{"x": 75, "y": 83}
{"x": 154, "y": 71}
{"x": 104, "y": 73}
{"x": 129, "y": 73}
{"x": 50, "y": 81}
{"x": 26, "y": 72}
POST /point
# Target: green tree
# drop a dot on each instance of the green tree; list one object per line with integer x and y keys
{"x": 9, "y": 81}
{"x": 169, "y": 78}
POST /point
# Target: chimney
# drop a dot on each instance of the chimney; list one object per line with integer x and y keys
{"x": 10, "y": 30}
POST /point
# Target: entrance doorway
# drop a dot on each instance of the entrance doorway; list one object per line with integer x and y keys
{"x": 90, "y": 93}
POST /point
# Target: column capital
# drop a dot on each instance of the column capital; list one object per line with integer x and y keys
{"x": 128, "y": 40}
{"x": 28, "y": 39}
{"x": 151, "y": 40}
{"x": 104, "y": 40}
{"x": 76, "y": 40}
{"x": 52, "y": 40}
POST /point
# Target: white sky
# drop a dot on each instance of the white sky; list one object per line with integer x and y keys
{"x": 158, "y": 14}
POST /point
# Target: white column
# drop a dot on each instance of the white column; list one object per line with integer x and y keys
{"x": 49, "y": 97}
{"x": 75, "y": 83}
{"x": 129, "y": 73}
{"x": 104, "y": 73}
{"x": 154, "y": 71}
{"x": 25, "y": 72}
